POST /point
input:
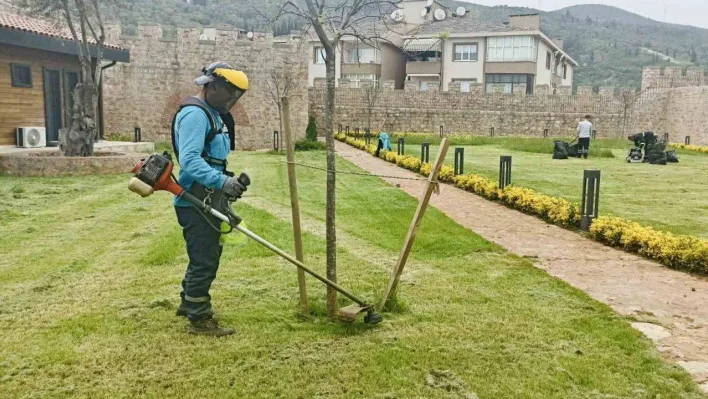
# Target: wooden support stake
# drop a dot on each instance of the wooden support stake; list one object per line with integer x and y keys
{"x": 415, "y": 224}
{"x": 297, "y": 231}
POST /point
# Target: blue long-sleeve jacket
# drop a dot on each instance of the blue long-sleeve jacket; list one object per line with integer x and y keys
{"x": 191, "y": 130}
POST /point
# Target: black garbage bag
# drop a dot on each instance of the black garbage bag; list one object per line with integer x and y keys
{"x": 671, "y": 156}
{"x": 657, "y": 153}
{"x": 560, "y": 150}
{"x": 574, "y": 150}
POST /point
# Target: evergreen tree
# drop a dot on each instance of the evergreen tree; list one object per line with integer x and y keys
{"x": 311, "y": 131}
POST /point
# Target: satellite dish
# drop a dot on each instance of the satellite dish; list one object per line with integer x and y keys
{"x": 424, "y": 12}
{"x": 430, "y": 3}
{"x": 250, "y": 35}
{"x": 439, "y": 14}
{"x": 461, "y": 11}
{"x": 397, "y": 15}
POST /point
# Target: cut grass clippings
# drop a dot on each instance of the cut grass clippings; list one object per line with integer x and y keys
{"x": 88, "y": 312}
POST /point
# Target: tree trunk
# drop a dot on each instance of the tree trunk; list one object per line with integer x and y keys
{"x": 281, "y": 133}
{"x": 331, "y": 231}
{"x": 77, "y": 140}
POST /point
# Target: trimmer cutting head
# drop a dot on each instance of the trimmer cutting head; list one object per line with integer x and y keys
{"x": 349, "y": 314}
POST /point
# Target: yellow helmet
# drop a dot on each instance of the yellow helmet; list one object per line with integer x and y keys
{"x": 236, "y": 78}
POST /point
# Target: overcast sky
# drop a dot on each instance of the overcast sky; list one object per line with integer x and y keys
{"x": 690, "y": 12}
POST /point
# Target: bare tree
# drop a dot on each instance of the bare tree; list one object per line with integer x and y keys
{"x": 85, "y": 22}
{"x": 281, "y": 80}
{"x": 627, "y": 99}
{"x": 371, "y": 93}
{"x": 332, "y": 20}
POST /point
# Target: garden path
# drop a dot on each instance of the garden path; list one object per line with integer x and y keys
{"x": 668, "y": 306}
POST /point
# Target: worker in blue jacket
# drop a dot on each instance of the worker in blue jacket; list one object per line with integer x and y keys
{"x": 202, "y": 137}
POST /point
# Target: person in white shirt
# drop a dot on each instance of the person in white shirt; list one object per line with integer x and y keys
{"x": 584, "y": 133}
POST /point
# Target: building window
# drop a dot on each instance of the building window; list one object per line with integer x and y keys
{"x": 565, "y": 71}
{"x": 363, "y": 55}
{"x": 319, "y": 55}
{"x": 424, "y": 84}
{"x": 21, "y": 75}
{"x": 511, "y": 48}
{"x": 509, "y": 83}
{"x": 548, "y": 60}
{"x": 465, "y": 84}
{"x": 466, "y": 52}
{"x": 355, "y": 80}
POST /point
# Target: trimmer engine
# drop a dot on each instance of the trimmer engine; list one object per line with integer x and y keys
{"x": 153, "y": 168}
{"x": 154, "y": 173}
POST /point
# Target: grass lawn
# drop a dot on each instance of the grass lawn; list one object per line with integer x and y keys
{"x": 670, "y": 198}
{"x": 90, "y": 275}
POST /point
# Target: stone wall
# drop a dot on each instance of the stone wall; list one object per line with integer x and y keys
{"x": 686, "y": 114}
{"x": 672, "y": 77}
{"x": 147, "y": 91}
{"x": 477, "y": 113}
{"x": 678, "y": 112}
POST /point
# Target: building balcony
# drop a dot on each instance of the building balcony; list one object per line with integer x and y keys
{"x": 361, "y": 69}
{"x": 423, "y": 67}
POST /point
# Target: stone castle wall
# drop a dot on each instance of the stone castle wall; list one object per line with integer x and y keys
{"x": 477, "y": 113}
{"x": 147, "y": 91}
{"x": 678, "y": 112}
{"x": 672, "y": 77}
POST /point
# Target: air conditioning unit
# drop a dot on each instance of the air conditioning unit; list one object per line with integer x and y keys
{"x": 31, "y": 137}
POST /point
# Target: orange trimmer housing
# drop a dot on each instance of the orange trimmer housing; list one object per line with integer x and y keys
{"x": 164, "y": 182}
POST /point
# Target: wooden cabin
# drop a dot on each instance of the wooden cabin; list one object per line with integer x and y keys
{"x": 39, "y": 68}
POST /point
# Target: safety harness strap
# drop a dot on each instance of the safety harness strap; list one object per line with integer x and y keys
{"x": 213, "y": 131}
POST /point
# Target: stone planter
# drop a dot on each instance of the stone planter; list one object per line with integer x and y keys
{"x": 52, "y": 163}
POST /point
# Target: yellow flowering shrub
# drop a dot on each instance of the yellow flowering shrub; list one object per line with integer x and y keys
{"x": 389, "y": 156}
{"x": 409, "y": 162}
{"x": 555, "y": 210}
{"x": 425, "y": 169}
{"x": 675, "y": 251}
{"x": 690, "y": 147}
{"x": 478, "y": 185}
{"x": 447, "y": 173}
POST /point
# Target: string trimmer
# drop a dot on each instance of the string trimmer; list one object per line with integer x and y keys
{"x": 155, "y": 174}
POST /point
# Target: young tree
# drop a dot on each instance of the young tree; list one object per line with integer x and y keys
{"x": 85, "y": 22}
{"x": 371, "y": 93}
{"x": 281, "y": 81}
{"x": 332, "y": 20}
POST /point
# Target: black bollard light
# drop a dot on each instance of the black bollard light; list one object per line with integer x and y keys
{"x": 276, "y": 140}
{"x": 491, "y": 132}
{"x": 545, "y": 133}
{"x": 591, "y": 198}
{"x": 356, "y": 132}
{"x": 340, "y": 128}
{"x": 666, "y": 137}
{"x": 138, "y": 135}
{"x": 442, "y": 131}
{"x": 367, "y": 136}
{"x": 504, "y": 171}
{"x": 425, "y": 153}
{"x": 347, "y": 130}
{"x": 688, "y": 140}
{"x": 401, "y": 146}
{"x": 459, "y": 161}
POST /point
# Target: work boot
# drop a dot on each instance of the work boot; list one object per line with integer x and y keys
{"x": 209, "y": 327}
{"x": 181, "y": 311}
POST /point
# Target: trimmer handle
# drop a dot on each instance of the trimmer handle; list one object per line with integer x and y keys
{"x": 244, "y": 179}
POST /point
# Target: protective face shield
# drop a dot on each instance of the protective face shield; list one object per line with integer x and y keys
{"x": 230, "y": 85}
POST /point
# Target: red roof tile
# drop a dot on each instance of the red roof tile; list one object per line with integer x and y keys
{"x": 40, "y": 27}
